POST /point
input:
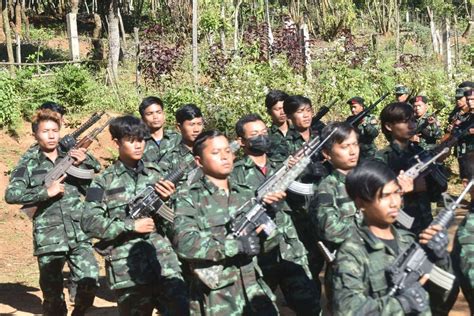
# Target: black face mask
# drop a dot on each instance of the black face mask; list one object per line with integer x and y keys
{"x": 259, "y": 144}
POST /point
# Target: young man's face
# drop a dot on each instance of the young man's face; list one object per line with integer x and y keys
{"x": 470, "y": 102}
{"x": 216, "y": 159}
{"x": 420, "y": 108}
{"x": 278, "y": 114}
{"x": 384, "y": 209}
{"x": 461, "y": 103}
{"x": 402, "y": 130}
{"x": 190, "y": 129}
{"x": 356, "y": 108}
{"x": 256, "y": 128}
{"x": 344, "y": 156}
{"x": 301, "y": 119}
{"x": 154, "y": 117}
{"x": 130, "y": 149}
{"x": 401, "y": 97}
{"x": 47, "y": 135}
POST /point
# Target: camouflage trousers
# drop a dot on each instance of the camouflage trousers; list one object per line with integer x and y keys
{"x": 84, "y": 272}
{"x": 298, "y": 288}
{"x": 236, "y": 299}
{"x": 168, "y": 295}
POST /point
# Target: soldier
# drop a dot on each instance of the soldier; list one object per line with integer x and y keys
{"x": 466, "y": 141}
{"x": 401, "y": 93}
{"x": 159, "y": 141}
{"x": 225, "y": 280}
{"x": 284, "y": 262}
{"x": 332, "y": 213}
{"x": 460, "y": 109}
{"x": 140, "y": 263}
{"x": 367, "y": 128}
{"x": 57, "y": 234}
{"x": 279, "y": 128}
{"x": 360, "y": 282}
{"x": 428, "y": 130}
{"x": 190, "y": 123}
{"x": 463, "y": 249}
{"x": 398, "y": 125}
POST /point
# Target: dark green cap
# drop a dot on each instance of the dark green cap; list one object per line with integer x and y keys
{"x": 401, "y": 89}
{"x": 459, "y": 93}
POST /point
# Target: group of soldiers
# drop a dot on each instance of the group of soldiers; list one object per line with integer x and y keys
{"x": 195, "y": 262}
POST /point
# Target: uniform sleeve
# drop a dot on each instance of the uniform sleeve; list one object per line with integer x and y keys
{"x": 369, "y": 127}
{"x": 95, "y": 222}
{"x": 92, "y": 163}
{"x": 351, "y": 285}
{"x": 326, "y": 216}
{"x": 191, "y": 242}
{"x": 21, "y": 190}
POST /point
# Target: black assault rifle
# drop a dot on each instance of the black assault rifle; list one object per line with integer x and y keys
{"x": 253, "y": 213}
{"x": 315, "y": 121}
{"x": 415, "y": 262}
{"x": 69, "y": 141}
{"x": 357, "y": 119}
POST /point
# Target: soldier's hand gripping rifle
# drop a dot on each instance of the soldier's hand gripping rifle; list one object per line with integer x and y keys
{"x": 253, "y": 213}
{"x": 415, "y": 261}
{"x": 147, "y": 203}
{"x": 425, "y": 124}
{"x": 321, "y": 113}
{"x": 357, "y": 119}
{"x": 69, "y": 141}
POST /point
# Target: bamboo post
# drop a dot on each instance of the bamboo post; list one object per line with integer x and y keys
{"x": 71, "y": 21}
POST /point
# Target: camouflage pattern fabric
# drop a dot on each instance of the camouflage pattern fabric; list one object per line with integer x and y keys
{"x": 463, "y": 256}
{"x": 368, "y": 130}
{"x": 430, "y": 134}
{"x": 360, "y": 286}
{"x": 278, "y": 142}
{"x": 178, "y": 157}
{"x": 203, "y": 240}
{"x": 154, "y": 152}
{"x": 415, "y": 204}
{"x": 132, "y": 259}
{"x": 57, "y": 234}
{"x": 284, "y": 262}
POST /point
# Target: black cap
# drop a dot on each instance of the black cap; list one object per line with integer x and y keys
{"x": 466, "y": 84}
{"x": 418, "y": 98}
{"x": 356, "y": 100}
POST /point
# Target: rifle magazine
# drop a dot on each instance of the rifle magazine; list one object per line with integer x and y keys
{"x": 442, "y": 278}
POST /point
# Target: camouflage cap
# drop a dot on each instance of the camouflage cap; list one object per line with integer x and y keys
{"x": 401, "y": 89}
{"x": 356, "y": 100}
{"x": 459, "y": 93}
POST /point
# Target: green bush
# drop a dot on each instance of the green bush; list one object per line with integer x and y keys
{"x": 74, "y": 85}
{"x": 9, "y": 112}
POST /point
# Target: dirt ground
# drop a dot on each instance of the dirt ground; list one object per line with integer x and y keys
{"x": 19, "y": 289}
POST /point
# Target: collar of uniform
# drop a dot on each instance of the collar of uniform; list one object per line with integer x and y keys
{"x": 395, "y": 147}
{"x": 166, "y": 135}
{"x": 120, "y": 168}
{"x": 377, "y": 244}
{"x": 42, "y": 157}
{"x": 212, "y": 188}
{"x": 276, "y": 129}
{"x": 340, "y": 177}
{"x": 183, "y": 150}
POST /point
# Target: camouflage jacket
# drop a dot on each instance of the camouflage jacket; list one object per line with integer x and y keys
{"x": 106, "y": 217}
{"x": 331, "y": 210}
{"x": 56, "y": 223}
{"x": 278, "y": 142}
{"x": 290, "y": 247}
{"x": 466, "y": 141}
{"x": 463, "y": 249}
{"x": 154, "y": 152}
{"x": 416, "y": 204}
{"x": 360, "y": 285}
{"x": 368, "y": 131}
{"x": 428, "y": 133}
{"x": 178, "y": 157}
{"x": 202, "y": 236}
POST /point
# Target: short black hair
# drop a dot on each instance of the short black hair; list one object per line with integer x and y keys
{"x": 367, "y": 178}
{"x": 273, "y": 97}
{"x": 149, "y": 101}
{"x": 294, "y": 102}
{"x": 198, "y": 146}
{"x": 239, "y": 126}
{"x": 187, "y": 112}
{"x": 466, "y": 166}
{"x": 128, "y": 126}
{"x": 466, "y": 84}
{"x": 395, "y": 112}
{"x": 53, "y": 106}
{"x": 344, "y": 129}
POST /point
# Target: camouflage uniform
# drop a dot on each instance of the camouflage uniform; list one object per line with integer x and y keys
{"x": 279, "y": 146}
{"x": 415, "y": 204}
{"x": 284, "y": 262}
{"x": 429, "y": 134}
{"x": 368, "y": 131}
{"x": 143, "y": 269}
{"x": 334, "y": 216}
{"x": 463, "y": 256}
{"x": 359, "y": 283}
{"x": 466, "y": 141}
{"x": 178, "y": 157}
{"x": 57, "y": 235}
{"x": 203, "y": 240}
{"x": 155, "y": 151}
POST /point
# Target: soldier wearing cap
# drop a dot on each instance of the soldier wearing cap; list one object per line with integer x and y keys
{"x": 401, "y": 93}
{"x": 427, "y": 130}
{"x": 367, "y": 129}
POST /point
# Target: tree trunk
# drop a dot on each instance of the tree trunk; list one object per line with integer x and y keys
{"x": 434, "y": 37}
{"x": 222, "y": 29}
{"x": 8, "y": 37}
{"x": 470, "y": 24}
{"x": 195, "y": 41}
{"x": 236, "y": 27}
{"x": 448, "y": 65}
{"x": 2, "y": 33}
{"x": 122, "y": 30}
{"x": 18, "y": 18}
{"x": 96, "y": 40}
{"x": 75, "y": 6}
{"x": 25, "y": 19}
{"x": 114, "y": 40}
